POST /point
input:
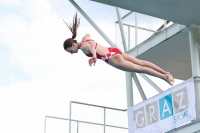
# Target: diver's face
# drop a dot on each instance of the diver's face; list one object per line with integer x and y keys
{"x": 72, "y": 49}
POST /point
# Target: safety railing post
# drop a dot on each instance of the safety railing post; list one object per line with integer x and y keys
{"x": 70, "y": 117}
{"x": 77, "y": 126}
{"x": 104, "y": 123}
{"x": 45, "y": 124}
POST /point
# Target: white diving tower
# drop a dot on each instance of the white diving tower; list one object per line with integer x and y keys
{"x": 175, "y": 49}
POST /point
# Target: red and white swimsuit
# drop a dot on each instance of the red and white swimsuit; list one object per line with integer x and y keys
{"x": 111, "y": 52}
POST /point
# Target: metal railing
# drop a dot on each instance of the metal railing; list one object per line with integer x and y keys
{"x": 88, "y": 118}
{"x": 103, "y": 112}
{"x": 136, "y": 27}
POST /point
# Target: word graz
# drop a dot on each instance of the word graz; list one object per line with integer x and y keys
{"x": 170, "y": 105}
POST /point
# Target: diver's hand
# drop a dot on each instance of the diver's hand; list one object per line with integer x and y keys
{"x": 92, "y": 61}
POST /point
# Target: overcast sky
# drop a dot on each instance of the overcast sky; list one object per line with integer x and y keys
{"x": 38, "y": 78}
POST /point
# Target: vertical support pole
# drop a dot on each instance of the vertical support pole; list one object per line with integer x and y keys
{"x": 70, "y": 117}
{"x": 142, "y": 94}
{"x": 195, "y": 65}
{"x": 194, "y": 52}
{"x": 121, "y": 29}
{"x": 136, "y": 30}
{"x": 129, "y": 37}
{"x": 92, "y": 23}
{"x": 197, "y": 89}
{"x": 129, "y": 90}
{"x": 104, "y": 122}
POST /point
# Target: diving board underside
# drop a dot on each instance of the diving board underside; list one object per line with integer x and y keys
{"x": 169, "y": 50}
{"x": 172, "y": 55}
{"x": 184, "y": 12}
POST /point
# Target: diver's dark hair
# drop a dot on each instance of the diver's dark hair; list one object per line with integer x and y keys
{"x": 73, "y": 28}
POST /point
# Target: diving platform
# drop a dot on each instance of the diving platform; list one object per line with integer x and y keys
{"x": 169, "y": 50}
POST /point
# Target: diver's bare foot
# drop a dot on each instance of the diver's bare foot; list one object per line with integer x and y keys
{"x": 171, "y": 77}
{"x": 168, "y": 79}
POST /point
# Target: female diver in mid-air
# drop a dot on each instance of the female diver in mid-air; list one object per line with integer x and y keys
{"x": 112, "y": 56}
